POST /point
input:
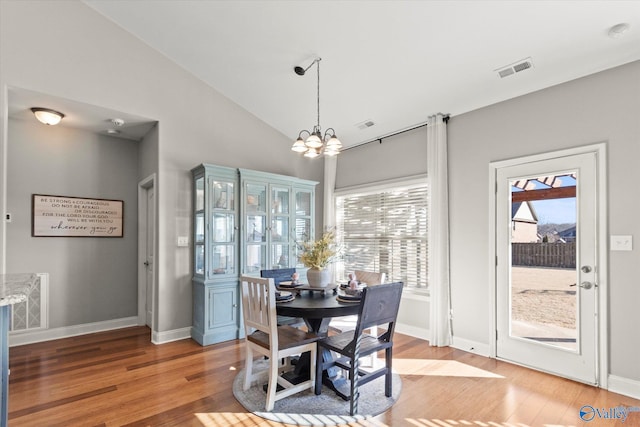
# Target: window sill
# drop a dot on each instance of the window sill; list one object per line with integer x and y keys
{"x": 416, "y": 294}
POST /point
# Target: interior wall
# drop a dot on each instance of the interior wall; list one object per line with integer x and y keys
{"x": 91, "y": 279}
{"x": 94, "y": 61}
{"x": 603, "y": 107}
{"x": 148, "y": 154}
{"x": 398, "y": 156}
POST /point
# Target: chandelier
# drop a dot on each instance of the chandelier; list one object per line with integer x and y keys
{"x": 316, "y": 143}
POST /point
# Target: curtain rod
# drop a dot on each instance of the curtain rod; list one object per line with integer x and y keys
{"x": 379, "y": 139}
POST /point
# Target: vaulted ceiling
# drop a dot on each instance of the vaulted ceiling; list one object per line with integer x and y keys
{"x": 389, "y": 62}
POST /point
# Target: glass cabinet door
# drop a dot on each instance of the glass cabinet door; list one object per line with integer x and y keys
{"x": 222, "y": 228}
{"x": 256, "y": 198}
{"x": 256, "y": 258}
{"x": 303, "y": 225}
{"x": 223, "y": 195}
{"x": 279, "y": 201}
{"x": 198, "y": 240}
{"x": 303, "y": 203}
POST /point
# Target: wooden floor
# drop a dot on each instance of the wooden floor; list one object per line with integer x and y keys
{"x": 119, "y": 378}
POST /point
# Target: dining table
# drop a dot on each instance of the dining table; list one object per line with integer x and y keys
{"x": 317, "y": 307}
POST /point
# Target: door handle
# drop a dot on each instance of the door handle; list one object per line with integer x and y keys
{"x": 587, "y": 285}
{"x": 586, "y": 269}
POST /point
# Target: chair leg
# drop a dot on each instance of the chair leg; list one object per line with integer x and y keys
{"x": 354, "y": 394}
{"x": 273, "y": 383}
{"x": 388, "y": 376}
{"x": 248, "y": 365}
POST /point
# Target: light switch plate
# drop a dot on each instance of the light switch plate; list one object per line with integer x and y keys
{"x": 183, "y": 241}
{"x": 621, "y": 243}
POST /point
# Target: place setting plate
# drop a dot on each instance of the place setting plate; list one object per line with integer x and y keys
{"x": 284, "y": 296}
{"x": 288, "y": 284}
{"x": 350, "y": 295}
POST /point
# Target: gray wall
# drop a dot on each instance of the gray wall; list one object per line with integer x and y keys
{"x": 603, "y": 107}
{"x": 399, "y": 156}
{"x": 94, "y": 61}
{"x": 91, "y": 279}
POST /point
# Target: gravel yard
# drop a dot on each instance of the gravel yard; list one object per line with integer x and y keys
{"x": 543, "y": 296}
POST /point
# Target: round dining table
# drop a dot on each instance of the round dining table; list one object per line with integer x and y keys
{"x": 317, "y": 308}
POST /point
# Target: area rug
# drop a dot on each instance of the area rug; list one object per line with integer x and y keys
{"x": 307, "y": 409}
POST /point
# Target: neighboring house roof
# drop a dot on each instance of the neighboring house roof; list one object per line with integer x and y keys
{"x": 568, "y": 233}
{"x": 524, "y": 212}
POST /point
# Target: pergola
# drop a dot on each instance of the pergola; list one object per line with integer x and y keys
{"x": 555, "y": 187}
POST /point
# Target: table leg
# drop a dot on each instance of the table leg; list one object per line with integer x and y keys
{"x": 331, "y": 377}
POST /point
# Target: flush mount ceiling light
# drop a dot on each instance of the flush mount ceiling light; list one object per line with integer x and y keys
{"x": 47, "y": 116}
{"x": 316, "y": 143}
{"x": 618, "y": 30}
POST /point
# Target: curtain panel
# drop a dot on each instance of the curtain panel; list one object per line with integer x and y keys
{"x": 438, "y": 258}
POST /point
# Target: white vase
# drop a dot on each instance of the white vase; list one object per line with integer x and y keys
{"x": 318, "y": 278}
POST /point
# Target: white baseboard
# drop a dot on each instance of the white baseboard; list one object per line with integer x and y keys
{"x": 413, "y": 331}
{"x": 624, "y": 386}
{"x": 470, "y": 346}
{"x": 30, "y": 337}
{"x": 169, "y": 336}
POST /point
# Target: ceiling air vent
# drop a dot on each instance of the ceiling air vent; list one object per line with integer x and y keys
{"x": 364, "y": 125}
{"x": 517, "y": 67}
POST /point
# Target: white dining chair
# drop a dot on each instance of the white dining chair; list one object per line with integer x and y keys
{"x": 278, "y": 343}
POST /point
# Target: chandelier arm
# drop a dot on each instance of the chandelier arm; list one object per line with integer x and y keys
{"x": 303, "y": 131}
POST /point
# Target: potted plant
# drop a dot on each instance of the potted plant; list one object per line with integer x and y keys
{"x": 317, "y": 255}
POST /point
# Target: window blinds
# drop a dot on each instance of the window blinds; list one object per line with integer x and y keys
{"x": 385, "y": 231}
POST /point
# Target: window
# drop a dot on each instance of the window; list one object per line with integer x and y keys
{"x": 385, "y": 229}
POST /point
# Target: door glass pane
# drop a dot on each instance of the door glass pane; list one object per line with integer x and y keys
{"x": 256, "y": 198}
{"x": 543, "y": 273}
{"x": 279, "y": 256}
{"x": 280, "y": 229}
{"x": 303, "y": 203}
{"x": 256, "y": 228}
{"x": 280, "y": 200}
{"x": 223, "y": 195}
{"x": 256, "y": 258}
{"x": 200, "y": 194}
{"x": 223, "y": 230}
{"x": 223, "y": 261}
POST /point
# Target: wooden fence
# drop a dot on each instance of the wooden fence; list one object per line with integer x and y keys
{"x": 558, "y": 255}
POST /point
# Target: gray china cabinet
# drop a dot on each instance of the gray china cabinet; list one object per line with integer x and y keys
{"x": 244, "y": 221}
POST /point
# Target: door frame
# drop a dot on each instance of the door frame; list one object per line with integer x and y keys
{"x": 143, "y": 187}
{"x": 602, "y": 338}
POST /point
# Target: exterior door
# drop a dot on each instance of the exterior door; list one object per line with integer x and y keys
{"x": 546, "y": 266}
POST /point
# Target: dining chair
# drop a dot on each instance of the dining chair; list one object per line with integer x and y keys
{"x": 379, "y": 307}
{"x": 281, "y": 275}
{"x": 278, "y": 343}
{"x": 347, "y": 323}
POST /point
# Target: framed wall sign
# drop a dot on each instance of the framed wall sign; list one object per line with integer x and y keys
{"x": 60, "y": 216}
